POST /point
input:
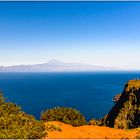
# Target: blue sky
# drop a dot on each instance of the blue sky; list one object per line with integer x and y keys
{"x": 99, "y": 33}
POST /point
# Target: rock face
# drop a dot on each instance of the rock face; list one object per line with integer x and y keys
{"x": 117, "y": 97}
{"x": 126, "y": 112}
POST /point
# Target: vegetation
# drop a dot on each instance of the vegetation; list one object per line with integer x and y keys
{"x": 65, "y": 115}
{"x": 99, "y": 122}
{"x": 51, "y": 127}
{"x": 16, "y": 124}
{"x": 126, "y": 112}
{"x": 93, "y": 122}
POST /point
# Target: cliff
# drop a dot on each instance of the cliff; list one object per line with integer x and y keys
{"x": 116, "y": 97}
{"x": 126, "y": 112}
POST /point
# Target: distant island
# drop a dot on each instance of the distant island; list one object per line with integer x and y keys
{"x": 55, "y": 66}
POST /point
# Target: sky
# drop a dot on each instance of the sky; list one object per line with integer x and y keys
{"x": 98, "y": 33}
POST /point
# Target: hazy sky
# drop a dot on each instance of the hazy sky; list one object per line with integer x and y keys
{"x": 99, "y": 33}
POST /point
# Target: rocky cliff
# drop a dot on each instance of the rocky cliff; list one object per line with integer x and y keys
{"x": 116, "y": 97}
{"x": 126, "y": 112}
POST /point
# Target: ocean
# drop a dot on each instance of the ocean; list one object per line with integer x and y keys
{"x": 89, "y": 92}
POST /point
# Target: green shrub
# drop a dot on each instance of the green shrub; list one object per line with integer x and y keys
{"x": 63, "y": 114}
{"x": 2, "y": 99}
{"x": 51, "y": 127}
{"x": 16, "y": 124}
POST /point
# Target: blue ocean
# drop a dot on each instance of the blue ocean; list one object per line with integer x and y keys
{"x": 90, "y": 93}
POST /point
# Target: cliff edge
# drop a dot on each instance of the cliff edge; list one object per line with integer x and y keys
{"x": 126, "y": 112}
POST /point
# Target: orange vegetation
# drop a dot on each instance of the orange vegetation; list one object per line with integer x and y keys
{"x": 90, "y": 131}
{"x": 133, "y": 83}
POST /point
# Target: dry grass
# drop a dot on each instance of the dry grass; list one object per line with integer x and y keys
{"x": 90, "y": 131}
{"x": 133, "y": 83}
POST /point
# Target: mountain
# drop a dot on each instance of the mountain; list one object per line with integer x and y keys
{"x": 126, "y": 112}
{"x": 55, "y": 66}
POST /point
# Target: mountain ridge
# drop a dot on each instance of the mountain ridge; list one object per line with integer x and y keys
{"x": 55, "y": 66}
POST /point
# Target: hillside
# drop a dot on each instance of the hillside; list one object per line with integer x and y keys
{"x": 16, "y": 124}
{"x": 91, "y": 131}
{"x": 126, "y": 112}
{"x": 122, "y": 121}
{"x": 124, "y": 118}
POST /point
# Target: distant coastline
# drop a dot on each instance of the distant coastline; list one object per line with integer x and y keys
{"x": 56, "y": 66}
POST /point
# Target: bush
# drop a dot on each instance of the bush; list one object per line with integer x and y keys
{"x": 92, "y": 122}
{"x": 98, "y": 122}
{"x": 65, "y": 115}
{"x": 52, "y": 127}
{"x": 16, "y": 124}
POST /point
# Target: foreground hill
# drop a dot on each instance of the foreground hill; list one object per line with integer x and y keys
{"x": 16, "y": 124}
{"x": 90, "y": 131}
{"x": 54, "y": 66}
{"x": 124, "y": 118}
{"x": 122, "y": 121}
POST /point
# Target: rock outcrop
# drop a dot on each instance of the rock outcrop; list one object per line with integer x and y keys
{"x": 116, "y": 97}
{"x": 126, "y": 112}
